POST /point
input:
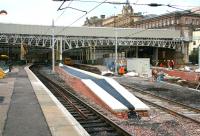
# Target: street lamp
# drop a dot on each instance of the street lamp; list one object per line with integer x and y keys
{"x": 116, "y": 51}
{"x": 53, "y": 42}
{"x": 199, "y": 56}
{"x": 116, "y": 55}
{"x": 3, "y": 12}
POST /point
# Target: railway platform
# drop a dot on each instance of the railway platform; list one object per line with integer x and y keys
{"x": 27, "y": 108}
{"x": 104, "y": 91}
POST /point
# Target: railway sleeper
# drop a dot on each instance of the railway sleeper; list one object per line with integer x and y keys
{"x": 90, "y": 121}
{"x": 95, "y": 125}
{"x": 99, "y": 131}
{"x": 91, "y": 118}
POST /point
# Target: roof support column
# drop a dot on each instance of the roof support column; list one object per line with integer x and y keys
{"x": 87, "y": 55}
{"x": 57, "y": 50}
{"x": 52, "y": 46}
{"x": 136, "y": 51}
{"x": 94, "y": 54}
{"x": 81, "y": 56}
{"x": 185, "y": 52}
{"x": 61, "y": 46}
{"x": 155, "y": 54}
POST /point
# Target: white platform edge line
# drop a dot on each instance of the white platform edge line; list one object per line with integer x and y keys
{"x": 86, "y": 72}
{"x": 78, "y": 127}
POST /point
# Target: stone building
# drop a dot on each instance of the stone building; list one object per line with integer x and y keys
{"x": 194, "y": 45}
{"x": 185, "y": 21}
{"x": 125, "y": 19}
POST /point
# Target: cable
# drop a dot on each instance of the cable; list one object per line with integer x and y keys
{"x": 59, "y": 16}
{"x": 136, "y": 1}
{"x": 120, "y": 3}
{"x": 82, "y": 16}
{"x": 63, "y": 12}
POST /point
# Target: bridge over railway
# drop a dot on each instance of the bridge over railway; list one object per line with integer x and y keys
{"x": 91, "y": 41}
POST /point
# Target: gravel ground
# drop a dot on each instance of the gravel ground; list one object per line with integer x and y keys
{"x": 158, "y": 123}
{"x": 176, "y": 92}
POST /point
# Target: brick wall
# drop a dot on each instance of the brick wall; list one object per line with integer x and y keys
{"x": 189, "y": 76}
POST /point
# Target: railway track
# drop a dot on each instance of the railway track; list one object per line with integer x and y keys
{"x": 169, "y": 106}
{"x": 95, "y": 123}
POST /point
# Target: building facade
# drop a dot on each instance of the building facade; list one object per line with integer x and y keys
{"x": 185, "y": 21}
{"x": 125, "y": 19}
{"x": 196, "y": 41}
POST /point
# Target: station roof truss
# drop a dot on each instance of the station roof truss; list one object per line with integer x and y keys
{"x": 81, "y": 37}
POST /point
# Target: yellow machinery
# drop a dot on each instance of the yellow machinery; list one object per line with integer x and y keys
{"x": 2, "y": 74}
{"x": 68, "y": 61}
{"x": 3, "y": 58}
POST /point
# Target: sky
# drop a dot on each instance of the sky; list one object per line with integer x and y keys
{"x": 42, "y": 12}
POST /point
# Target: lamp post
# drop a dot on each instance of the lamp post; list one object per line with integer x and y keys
{"x": 116, "y": 51}
{"x": 199, "y": 56}
{"x": 3, "y": 12}
{"x": 116, "y": 55}
{"x": 53, "y": 42}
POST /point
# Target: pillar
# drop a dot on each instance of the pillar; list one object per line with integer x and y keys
{"x": 155, "y": 55}
{"x": 136, "y": 51}
{"x": 60, "y": 52}
{"x": 94, "y": 54}
{"x": 57, "y": 50}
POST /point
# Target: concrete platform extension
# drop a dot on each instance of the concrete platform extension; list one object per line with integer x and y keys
{"x": 32, "y": 110}
{"x": 106, "y": 92}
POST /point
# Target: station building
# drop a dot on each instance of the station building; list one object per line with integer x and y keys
{"x": 185, "y": 21}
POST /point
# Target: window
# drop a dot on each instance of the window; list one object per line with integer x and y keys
{"x": 157, "y": 24}
{"x": 150, "y": 25}
{"x": 168, "y": 21}
{"x": 146, "y": 25}
{"x": 164, "y": 22}
{"x": 177, "y": 21}
{"x": 193, "y": 21}
{"x": 172, "y": 21}
{"x": 153, "y": 24}
{"x": 186, "y": 21}
{"x": 197, "y": 22}
{"x": 160, "y": 23}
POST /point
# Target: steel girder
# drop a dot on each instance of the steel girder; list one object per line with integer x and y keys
{"x": 80, "y": 42}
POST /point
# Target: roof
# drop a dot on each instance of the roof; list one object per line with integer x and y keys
{"x": 175, "y": 13}
{"x": 88, "y": 31}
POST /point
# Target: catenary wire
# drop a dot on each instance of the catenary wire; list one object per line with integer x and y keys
{"x": 82, "y": 16}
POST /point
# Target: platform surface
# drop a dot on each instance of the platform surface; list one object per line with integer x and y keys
{"x": 27, "y": 108}
{"x": 24, "y": 117}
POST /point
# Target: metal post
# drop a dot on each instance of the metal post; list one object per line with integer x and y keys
{"x": 116, "y": 52}
{"x": 199, "y": 57}
{"x": 60, "y": 50}
{"x": 53, "y": 42}
{"x": 136, "y": 51}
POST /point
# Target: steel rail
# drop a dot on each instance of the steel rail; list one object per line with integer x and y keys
{"x": 172, "y": 112}
{"x": 69, "y": 101}
{"x": 116, "y": 127}
{"x": 166, "y": 99}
